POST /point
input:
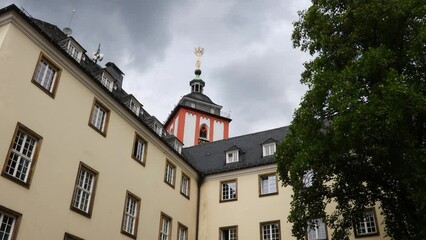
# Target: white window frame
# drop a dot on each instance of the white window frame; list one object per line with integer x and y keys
{"x": 228, "y": 190}
{"x": 369, "y": 221}
{"x": 131, "y": 215}
{"x": 232, "y": 156}
{"x": 139, "y": 149}
{"x": 269, "y": 149}
{"x": 316, "y": 230}
{"x": 135, "y": 107}
{"x": 165, "y": 227}
{"x": 46, "y": 75}
{"x": 73, "y": 51}
{"x": 268, "y": 184}
{"x": 9, "y": 223}
{"x": 269, "y": 231}
{"x": 229, "y": 233}
{"x": 182, "y": 232}
{"x": 107, "y": 81}
{"x": 170, "y": 174}
{"x": 99, "y": 117}
{"x": 308, "y": 178}
{"x": 22, "y": 155}
{"x": 185, "y": 185}
{"x": 84, "y": 190}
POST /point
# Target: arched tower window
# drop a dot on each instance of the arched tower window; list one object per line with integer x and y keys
{"x": 203, "y": 131}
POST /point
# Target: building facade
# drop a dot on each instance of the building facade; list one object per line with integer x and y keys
{"x": 82, "y": 159}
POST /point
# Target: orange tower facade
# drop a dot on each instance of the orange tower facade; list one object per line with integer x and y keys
{"x": 197, "y": 119}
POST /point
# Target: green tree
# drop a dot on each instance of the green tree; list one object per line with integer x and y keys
{"x": 361, "y": 125}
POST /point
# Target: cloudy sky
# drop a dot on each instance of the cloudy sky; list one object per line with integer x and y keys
{"x": 249, "y": 65}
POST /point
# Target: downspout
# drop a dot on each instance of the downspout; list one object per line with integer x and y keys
{"x": 197, "y": 224}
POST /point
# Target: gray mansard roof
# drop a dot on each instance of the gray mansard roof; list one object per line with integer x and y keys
{"x": 210, "y": 158}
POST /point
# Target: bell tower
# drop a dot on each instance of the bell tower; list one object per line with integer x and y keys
{"x": 197, "y": 119}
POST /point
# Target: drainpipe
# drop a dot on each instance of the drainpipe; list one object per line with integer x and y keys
{"x": 197, "y": 226}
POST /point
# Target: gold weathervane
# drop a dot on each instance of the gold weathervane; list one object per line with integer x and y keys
{"x": 199, "y": 51}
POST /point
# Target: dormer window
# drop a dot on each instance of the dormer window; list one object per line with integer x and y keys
{"x": 107, "y": 81}
{"x": 193, "y": 105}
{"x": 158, "y": 129}
{"x": 134, "y": 107}
{"x": 73, "y": 48}
{"x": 269, "y": 149}
{"x": 232, "y": 156}
{"x": 73, "y": 52}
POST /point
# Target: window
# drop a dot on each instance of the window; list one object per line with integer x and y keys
{"x": 134, "y": 107}
{"x": 185, "y": 185}
{"x": 228, "y": 233}
{"x": 270, "y": 230}
{"x": 268, "y": 184}
{"x": 232, "y": 156}
{"x": 139, "y": 149}
{"x": 367, "y": 225}
{"x": 269, "y": 149}
{"x": 182, "y": 232}
{"x": 129, "y": 225}
{"x": 68, "y": 236}
{"x": 228, "y": 190}
{"x": 99, "y": 117}
{"x": 107, "y": 81}
{"x": 22, "y": 155}
{"x": 169, "y": 176}
{"x": 316, "y": 230}
{"x": 158, "y": 129}
{"x": 46, "y": 75}
{"x": 73, "y": 52}
{"x": 9, "y": 223}
{"x": 308, "y": 178}
{"x": 84, "y": 190}
{"x": 203, "y": 131}
{"x": 165, "y": 227}
{"x": 193, "y": 105}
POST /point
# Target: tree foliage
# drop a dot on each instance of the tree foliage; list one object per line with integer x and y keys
{"x": 361, "y": 125}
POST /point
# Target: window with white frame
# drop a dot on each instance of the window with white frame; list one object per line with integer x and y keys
{"x": 84, "y": 190}
{"x": 139, "y": 149}
{"x": 269, "y": 149}
{"x": 107, "y": 81}
{"x": 185, "y": 184}
{"x": 268, "y": 184}
{"x": 316, "y": 230}
{"x": 228, "y": 190}
{"x": 232, "y": 156}
{"x": 130, "y": 215}
{"x": 270, "y": 230}
{"x": 308, "y": 178}
{"x": 9, "y": 223}
{"x": 22, "y": 155}
{"x": 228, "y": 233}
{"x": 134, "y": 107}
{"x": 182, "y": 232}
{"x": 99, "y": 117}
{"x": 169, "y": 176}
{"x": 158, "y": 129}
{"x": 73, "y": 51}
{"x": 46, "y": 75}
{"x": 367, "y": 225}
{"x": 165, "y": 227}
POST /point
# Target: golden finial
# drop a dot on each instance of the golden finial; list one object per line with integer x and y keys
{"x": 199, "y": 51}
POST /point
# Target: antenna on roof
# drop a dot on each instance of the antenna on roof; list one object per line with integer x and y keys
{"x": 98, "y": 56}
{"x": 68, "y": 30}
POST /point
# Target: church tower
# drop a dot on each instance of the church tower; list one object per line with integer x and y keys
{"x": 197, "y": 119}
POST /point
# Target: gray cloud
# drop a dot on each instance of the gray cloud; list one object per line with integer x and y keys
{"x": 249, "y": 66}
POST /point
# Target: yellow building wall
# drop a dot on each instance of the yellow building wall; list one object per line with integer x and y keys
{"x": 249, "y": 210}
{"x": 68, "y": 140}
